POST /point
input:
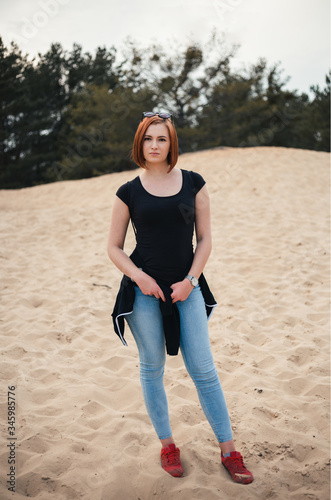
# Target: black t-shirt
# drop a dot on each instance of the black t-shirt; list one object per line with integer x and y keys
{"x": 164, "y": 226}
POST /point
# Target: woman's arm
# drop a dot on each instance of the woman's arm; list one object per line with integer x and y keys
{"x": 117, "y": 233}
{"x": 183, "y": 289}
{"x": 203, "y": 232}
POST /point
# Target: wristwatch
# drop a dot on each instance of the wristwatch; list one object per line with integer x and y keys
{"x": 194, "y": 281}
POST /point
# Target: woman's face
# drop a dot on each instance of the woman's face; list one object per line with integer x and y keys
{"x": 156, "y": 143}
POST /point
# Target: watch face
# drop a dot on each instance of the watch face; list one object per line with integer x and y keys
{"x": 194, "y": 281}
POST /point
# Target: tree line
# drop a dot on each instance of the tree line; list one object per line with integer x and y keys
{"x": 70, "y": 115}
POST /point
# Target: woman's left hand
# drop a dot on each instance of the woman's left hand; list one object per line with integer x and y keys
{"x": 181, "y": 290}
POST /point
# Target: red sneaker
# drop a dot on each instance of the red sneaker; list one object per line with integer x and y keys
{"x": 170, "y": 460}
{"x": 236, "y": 467}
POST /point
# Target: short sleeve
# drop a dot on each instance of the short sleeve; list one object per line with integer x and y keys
{"x": 123, "y": 193}
{"x": 198, "y": 181}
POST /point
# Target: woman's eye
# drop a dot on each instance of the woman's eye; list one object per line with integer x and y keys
{"x": 162, "y": 139}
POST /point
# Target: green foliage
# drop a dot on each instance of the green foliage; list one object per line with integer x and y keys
{"x": 254, "y": 110}
{"x": 12, "y": 107}
{"x": 73, "y": 115}
{"x": 320, "y": 117}
{"x": 96, "y": 137}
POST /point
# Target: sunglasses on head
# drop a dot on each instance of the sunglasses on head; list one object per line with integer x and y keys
{"x": 149, "y": 114}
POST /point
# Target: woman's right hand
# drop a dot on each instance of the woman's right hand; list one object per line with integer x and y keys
{"x": 148, "y": 285}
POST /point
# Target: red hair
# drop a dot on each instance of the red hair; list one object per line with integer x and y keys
{"x": 137, "y": 149}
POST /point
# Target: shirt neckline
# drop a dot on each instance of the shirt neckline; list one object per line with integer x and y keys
{"x": 168, "y": 196}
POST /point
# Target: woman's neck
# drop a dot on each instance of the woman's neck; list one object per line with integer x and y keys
{"x": 156, "y": 170}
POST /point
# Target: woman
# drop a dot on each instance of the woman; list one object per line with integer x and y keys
{"x": 164, "y": 296}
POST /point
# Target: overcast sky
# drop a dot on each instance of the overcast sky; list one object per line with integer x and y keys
{"x": 294, "y": 32}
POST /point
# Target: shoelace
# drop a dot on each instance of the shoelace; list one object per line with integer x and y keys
{"x": 239, "y": 463}
{"x": 172, "y": 457}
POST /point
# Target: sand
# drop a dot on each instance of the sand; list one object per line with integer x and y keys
{"x": 81, "y": 426}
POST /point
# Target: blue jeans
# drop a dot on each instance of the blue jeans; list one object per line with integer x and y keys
{"x": 146, "y": 325}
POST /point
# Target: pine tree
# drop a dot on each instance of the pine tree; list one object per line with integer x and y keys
{"x": 99, "y": 126}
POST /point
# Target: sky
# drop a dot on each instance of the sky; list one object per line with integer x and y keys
{"x": 295, "y": 33}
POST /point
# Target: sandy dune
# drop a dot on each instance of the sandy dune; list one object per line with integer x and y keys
{"x": 81, "y": 425}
